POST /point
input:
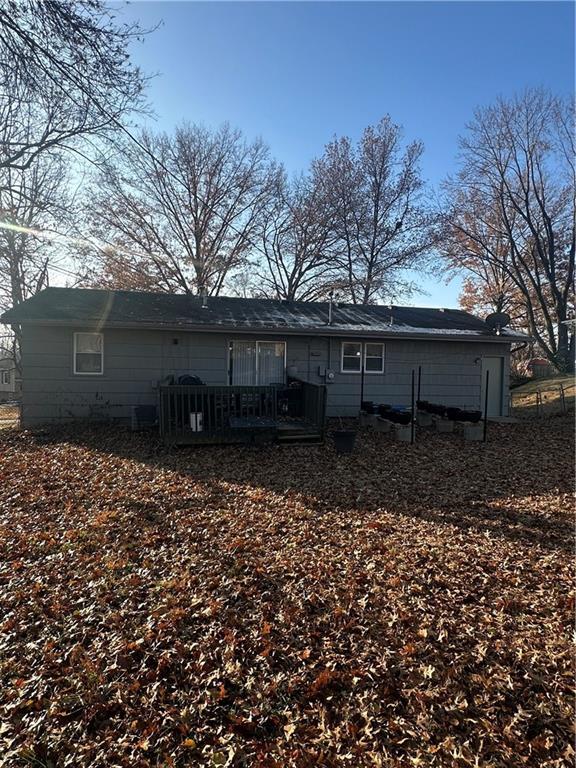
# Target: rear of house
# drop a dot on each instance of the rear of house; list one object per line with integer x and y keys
{"x": 99, "y": 354}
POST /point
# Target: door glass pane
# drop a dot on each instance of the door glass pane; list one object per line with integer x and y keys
{"x": 271, "y": 362}
{"x": 243, "y": 363}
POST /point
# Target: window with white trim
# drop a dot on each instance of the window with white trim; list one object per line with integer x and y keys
{"x": 4, "y": 377}
{"x": 88, "y": 354}
{"x": 374, "y": 358}
{"x": 351, "y": 356}
{"x": 357, "y": 353}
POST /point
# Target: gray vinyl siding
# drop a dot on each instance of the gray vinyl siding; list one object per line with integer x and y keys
{"x": 451, "y": 375}
{"x": 134, "y": 363}
{"x": 136, "y": 360}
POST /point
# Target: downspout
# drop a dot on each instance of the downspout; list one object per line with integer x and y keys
{"x": 329, "y": 362}
{"x": 362, "y": 368}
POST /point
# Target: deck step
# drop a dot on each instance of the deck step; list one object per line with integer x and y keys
{"x": 299, "y": 437}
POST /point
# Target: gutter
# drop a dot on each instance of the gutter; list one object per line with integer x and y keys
{"x": 327, "y": 331}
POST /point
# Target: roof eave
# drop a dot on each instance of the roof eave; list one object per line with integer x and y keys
{"x": 327, "y": 330}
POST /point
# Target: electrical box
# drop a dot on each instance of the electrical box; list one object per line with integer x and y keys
{"x": 327, "y": 374}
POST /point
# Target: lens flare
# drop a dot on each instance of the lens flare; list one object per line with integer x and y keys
{"x": 48, "y": 234}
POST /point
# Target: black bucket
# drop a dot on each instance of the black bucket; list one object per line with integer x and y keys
{"x": 344, "y": 440}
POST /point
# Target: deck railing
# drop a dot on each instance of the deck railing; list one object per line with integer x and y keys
{"x": 207, "y": 410}
{"x": 314, "y": 405}
{"x": 203, "y": 413}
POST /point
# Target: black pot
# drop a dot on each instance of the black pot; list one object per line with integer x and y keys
{"x": 344, "y": 440}
{"x": 454, "y": 414}
{"x": 422, "y": 405}
{"x": 367, "y": 406}
{"x": 471, "y": 416}
{"x": 384, "y": 410}
{"x": 399, "y": 417}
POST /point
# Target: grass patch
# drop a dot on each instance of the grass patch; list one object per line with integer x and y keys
{"x": 9, "y": 416}
{"x": 524, "y": 398}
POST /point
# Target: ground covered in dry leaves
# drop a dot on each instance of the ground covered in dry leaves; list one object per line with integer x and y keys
{"x": 282, "y": 606}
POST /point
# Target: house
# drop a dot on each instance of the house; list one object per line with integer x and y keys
{"x": 101, "y": 353}
{"x": 539, "y": 368}
{"x": 8, "y": 379}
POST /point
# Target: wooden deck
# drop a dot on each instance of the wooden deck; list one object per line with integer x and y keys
{"x": 205, "y": 415}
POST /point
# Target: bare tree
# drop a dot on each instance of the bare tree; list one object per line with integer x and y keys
{"x": 65, "y": 80}
{"x": 64, "y": 73}
{"x": 190, "y": 205}
{"x": 512, "y": 211}
{"x": 297, "y": 242}
{"x": 34, "y": 204}
{"x": 374, "y": 192}
{"x": 487, "y": 285}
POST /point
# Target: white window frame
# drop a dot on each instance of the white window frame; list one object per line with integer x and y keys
{"x": 357, "y": 343}
{"x": 5, "y": 376}
{"x": 383, "y": 350}
{"x": 257, "y": 342}
{"x": 88, "y": 373}
{"x": 363, "y": 345}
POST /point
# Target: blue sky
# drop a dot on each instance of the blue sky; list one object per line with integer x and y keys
{"x": 298, "y": 73}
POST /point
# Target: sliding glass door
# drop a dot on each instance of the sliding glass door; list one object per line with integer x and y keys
{"x": 270, "y": 362}
{"x": 257, "y": 362}
{"x": 243, "y": 363}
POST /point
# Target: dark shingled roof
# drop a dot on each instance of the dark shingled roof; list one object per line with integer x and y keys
{"x": 76, "y": 306}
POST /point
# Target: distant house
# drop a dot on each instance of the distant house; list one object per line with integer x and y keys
{"x": 9, "y": 384}
{"x": 539, "y": 368}
{"x": 96, "y": 352}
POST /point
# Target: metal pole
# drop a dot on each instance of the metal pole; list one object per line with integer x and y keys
{"x": 413, "y": 414}
{"x": 361, "y": 374}
{"x": 419, "y": 380}
{"x": 486, "y": 406}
